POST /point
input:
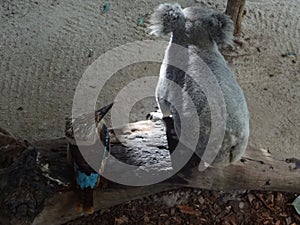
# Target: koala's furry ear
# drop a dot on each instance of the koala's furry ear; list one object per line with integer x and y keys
{"x": 220, "y": 28}
{"x": 166, "y": 18}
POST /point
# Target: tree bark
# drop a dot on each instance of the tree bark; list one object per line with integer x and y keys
{"x": 37, "y": 188}
{"x": 235, "y": 9}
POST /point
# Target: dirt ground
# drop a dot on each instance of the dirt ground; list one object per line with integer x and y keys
{"x": 46, "y": 45}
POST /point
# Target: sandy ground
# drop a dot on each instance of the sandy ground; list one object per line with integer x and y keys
{"x": 45, "y": 48}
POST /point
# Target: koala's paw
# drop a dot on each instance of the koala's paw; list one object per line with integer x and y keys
{"x": 154, "y": 116}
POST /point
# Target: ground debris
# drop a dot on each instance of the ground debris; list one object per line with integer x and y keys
{"x": 203, "y": 207}
{"x": 187, "y": 209}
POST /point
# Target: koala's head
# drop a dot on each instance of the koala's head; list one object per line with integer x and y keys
{"x": 192, "y": 23}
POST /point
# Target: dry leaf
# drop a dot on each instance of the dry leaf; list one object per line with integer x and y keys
{"x": 270, "y": 200}
{"x": 201, "y": 200}
{"x": 251, "y": 197}
{"x": 187, "y": 209}
{"x": 230, "y": 219}
{"x": 146, "y": 219}
{"x": 123, "y": 219}
{"x": 279, "y": 199}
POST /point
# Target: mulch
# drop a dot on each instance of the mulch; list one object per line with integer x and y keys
{"x": 194, "y": 206}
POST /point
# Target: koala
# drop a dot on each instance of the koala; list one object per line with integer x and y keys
{"x": 202, "y": 32}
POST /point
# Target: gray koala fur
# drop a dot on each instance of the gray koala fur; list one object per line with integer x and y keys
{"x": 202, "y": 32}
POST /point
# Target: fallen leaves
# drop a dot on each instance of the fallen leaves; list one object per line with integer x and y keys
{"x": 230, "y": 220}
{"x": 203, "y": 207}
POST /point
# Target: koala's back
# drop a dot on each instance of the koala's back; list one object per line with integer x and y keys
{"x": 237, "y": 116}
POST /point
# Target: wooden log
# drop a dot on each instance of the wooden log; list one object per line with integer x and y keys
{"x": 47, "y": 178}
{"x": 257, "y": 170}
